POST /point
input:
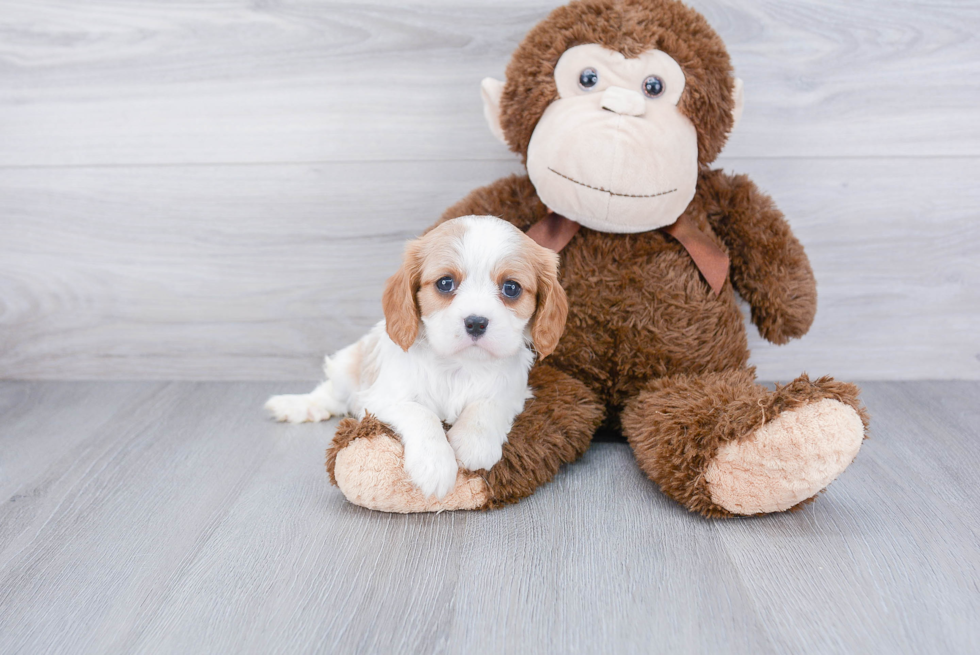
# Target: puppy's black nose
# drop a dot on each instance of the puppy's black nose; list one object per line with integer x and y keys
{"x": 476, "y": 325}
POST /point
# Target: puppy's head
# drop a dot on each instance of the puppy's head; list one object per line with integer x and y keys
{"x": 480, "y": 288}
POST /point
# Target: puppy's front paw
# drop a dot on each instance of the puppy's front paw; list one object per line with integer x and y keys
{"x": 476, "y": 450}
{"x": 432, "y": 466}
{"x": 299, "y": 408}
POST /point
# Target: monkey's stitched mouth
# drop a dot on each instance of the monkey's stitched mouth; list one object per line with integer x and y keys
{"x": 612, "y": 193}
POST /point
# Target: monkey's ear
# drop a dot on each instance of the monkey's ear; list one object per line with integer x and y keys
{"x": 738, "y": 95}
{"x": 491, "y": 91}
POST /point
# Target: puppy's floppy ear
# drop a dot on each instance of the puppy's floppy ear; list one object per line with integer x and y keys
{"x": 401, "y": 308}
{"x": 552, "y": 310}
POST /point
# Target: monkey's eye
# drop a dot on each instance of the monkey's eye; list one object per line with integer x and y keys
{"x": 511, "y": 289}
{"x": 588, "y": 78}
{"x": 654, "y": 87}
{"x": 446, "y": 284}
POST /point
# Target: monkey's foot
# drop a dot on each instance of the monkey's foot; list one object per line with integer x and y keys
{"x": 367, "y": 462}
{"x": 788, "y": 460}
{"x": 722, "y": 445}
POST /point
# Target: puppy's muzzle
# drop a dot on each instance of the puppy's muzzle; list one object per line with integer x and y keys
{"x": 476, "y": 325}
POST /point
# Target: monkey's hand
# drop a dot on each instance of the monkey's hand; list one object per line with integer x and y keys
{"x": 769, "y": 268}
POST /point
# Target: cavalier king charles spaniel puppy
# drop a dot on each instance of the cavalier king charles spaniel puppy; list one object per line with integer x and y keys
{"x": 473, "y": 302}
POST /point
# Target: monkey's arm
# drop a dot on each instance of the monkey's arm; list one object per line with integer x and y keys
{"x": 768, "y": 266}
{"x": 511, "y": 198}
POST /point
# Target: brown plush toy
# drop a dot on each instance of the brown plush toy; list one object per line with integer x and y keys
{"x": 618, "y": 107}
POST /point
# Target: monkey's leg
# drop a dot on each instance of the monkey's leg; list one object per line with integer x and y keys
{"x": 366, "y": 458}
{"x": 722, "y": 445}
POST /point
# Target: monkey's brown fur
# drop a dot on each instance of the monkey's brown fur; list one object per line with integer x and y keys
{"x": 720, "y": 407}
{"x": 647, "y": 345}
{"x": 630, "y": 27}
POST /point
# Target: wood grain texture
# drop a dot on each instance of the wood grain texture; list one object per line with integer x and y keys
{"x": 218, "y": 190}
{"x": 151, "y": 82}
{"x": 174, "y": 518}
{"x": 256, "y": 272}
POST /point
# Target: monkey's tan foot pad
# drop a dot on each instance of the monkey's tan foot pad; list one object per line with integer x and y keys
{"x": 788, "y": 460}
{"x": 371, "y": 473}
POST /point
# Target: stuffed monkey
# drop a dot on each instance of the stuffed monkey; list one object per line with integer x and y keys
{"x": 617, "y": 109}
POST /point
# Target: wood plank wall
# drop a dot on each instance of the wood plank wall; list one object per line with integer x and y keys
{"x": 217, "y": 190}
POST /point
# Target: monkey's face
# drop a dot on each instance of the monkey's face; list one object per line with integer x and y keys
{"x": 614, "y": 152}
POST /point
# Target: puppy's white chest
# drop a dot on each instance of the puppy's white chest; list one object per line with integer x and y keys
{"x": 450, "y": 390}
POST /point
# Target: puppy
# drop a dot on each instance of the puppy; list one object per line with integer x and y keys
{"x": 474, "y": 299}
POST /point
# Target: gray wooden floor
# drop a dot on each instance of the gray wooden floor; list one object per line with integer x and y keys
{"x": 173, "y": 518}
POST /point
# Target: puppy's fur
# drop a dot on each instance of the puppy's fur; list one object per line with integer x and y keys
{"x": 421, "y": 367}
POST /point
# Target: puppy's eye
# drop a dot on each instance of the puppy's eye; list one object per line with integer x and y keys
{"x": 445, "y": 284}
{"x": 511, "y": 289}
{"x": 588, "y": 78}
{"x": 654, "y": 87}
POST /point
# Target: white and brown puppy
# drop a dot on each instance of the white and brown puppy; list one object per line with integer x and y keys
{"x": 472, "y": 302}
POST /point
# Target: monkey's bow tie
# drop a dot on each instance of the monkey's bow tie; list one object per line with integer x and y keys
{"x": 554, "y": 231}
